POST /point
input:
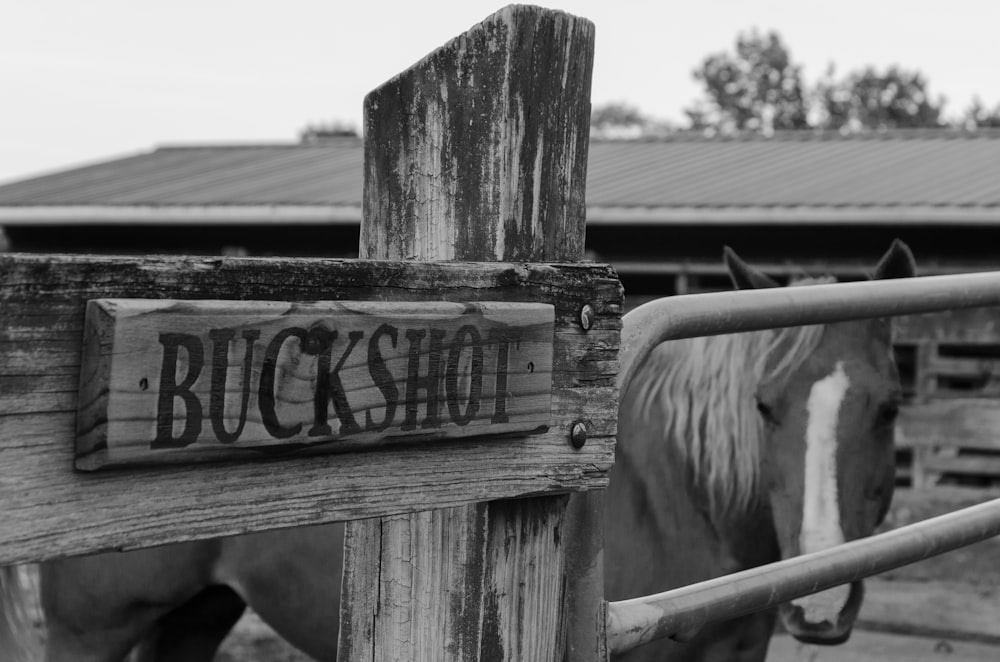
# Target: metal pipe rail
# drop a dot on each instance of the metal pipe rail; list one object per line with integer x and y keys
{"x": 631, "y": 623}
{"x": 692, "y": 315}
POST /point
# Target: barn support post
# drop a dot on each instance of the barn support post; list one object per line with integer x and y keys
{"x": 477, "y": 152}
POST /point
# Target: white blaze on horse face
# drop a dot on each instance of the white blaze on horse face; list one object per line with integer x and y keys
{"x": 821, "y": 508}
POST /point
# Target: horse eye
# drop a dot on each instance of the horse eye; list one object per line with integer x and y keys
{"x": 766, "y": 412}
{"x": 887, "y": 414}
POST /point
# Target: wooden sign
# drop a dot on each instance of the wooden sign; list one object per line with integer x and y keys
{"x": 166, "y": 381}
{"x": 44, "y": 300}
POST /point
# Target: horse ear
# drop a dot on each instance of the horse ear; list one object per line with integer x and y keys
{"x": 744, "y": 276}
{"x": 897, "y": 262}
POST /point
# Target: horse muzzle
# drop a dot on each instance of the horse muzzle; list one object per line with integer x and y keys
{"x": 828, "y": 629}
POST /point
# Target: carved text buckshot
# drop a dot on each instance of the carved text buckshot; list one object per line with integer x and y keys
{"x": 163, "y": 380}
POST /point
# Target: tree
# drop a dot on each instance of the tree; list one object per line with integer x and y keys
{"x": 869, "y": 100}
{"x": 758, "y": 88}
{"x": 313, "y": 133}
{"x": 617, "y": 119}
{"x": 978, "y": 116}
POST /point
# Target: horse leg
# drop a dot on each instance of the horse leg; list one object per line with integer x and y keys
{"x": 98, "y": 607}
{"x": 194, "y": 631}
{"x": 291, "y": 578}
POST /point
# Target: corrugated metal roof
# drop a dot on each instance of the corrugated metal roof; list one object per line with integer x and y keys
{"x": 949, "y": 171}
{"x": 799, "y": 169}
{"x": 206, "y": 175}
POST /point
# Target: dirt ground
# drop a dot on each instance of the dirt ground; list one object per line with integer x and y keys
{"x": 254, "y": 641}
{"x": 977, "y": 564}
{"x": 973, "y": 568}
{"x": 881, "y": 647}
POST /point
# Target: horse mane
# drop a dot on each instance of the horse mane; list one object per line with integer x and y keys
{"x": 705, "y": 389}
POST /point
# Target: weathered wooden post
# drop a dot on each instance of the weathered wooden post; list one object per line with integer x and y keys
{"x": 478, "y": 152}
{"x": 152, "y": 400}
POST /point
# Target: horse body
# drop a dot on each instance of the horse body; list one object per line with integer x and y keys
{"x": 744, "y": 462}
{"x": 178, "y": 602}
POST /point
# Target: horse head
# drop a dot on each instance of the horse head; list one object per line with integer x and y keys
{"x": 827, "y": 460}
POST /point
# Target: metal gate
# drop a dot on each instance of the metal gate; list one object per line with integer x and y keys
{"x": 631, "y": 623}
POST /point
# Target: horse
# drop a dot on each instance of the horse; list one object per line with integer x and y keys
{"x": 740, "y": 450}
{"x": 730, "y": 450}
{"x": 176, "y": 603}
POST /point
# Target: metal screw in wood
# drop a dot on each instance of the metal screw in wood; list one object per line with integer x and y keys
{"x": 587, "y": 317}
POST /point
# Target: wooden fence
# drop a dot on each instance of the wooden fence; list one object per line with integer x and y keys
{"x": 950, "y": 428}
{"x": 475, "y": 162}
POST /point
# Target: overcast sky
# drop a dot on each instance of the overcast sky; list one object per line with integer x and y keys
{"x": 86, "y": 80}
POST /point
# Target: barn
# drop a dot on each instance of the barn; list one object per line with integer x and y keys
{"x": 658, "y": 210}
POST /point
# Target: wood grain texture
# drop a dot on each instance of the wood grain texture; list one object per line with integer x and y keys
{"x": 478, "y": 582}
{"x": 479, "y": 152}
{"x": 585, "y": 610}
{"x": 52, "y": 511}
{"x": 523, "y": 591}
{"x": 427, "y": 571}
{"x": 492, "y": 126}
{"x": 169, "y": 381}
{"x": 949, "y": 426}
{"x": 972, "y": 423}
